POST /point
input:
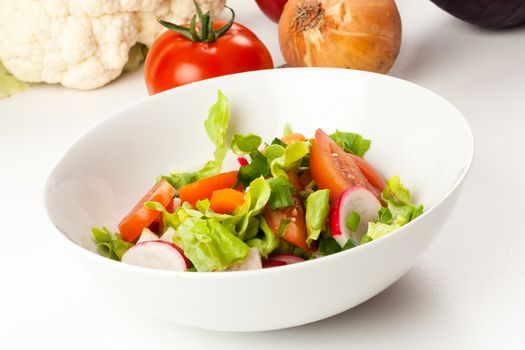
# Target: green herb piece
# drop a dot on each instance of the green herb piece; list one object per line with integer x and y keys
{"x": 245, "y": 144}
{"x": 282, "y": 193}
{"x": 352, "y": 143}
{"x": 353, "y": 221}
{"x": 258, "y": 167}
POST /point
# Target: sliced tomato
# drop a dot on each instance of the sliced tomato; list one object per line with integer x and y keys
{"x": 140, "y": 217}
{"x": 373, "y": 176}
{"x": 204, "y": 188}
{"x": 295, "y": 180}
{"x": 295, "y": 232}
{"x": 334, "y": 169}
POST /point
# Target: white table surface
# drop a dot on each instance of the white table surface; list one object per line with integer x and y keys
{"x": 468, "y": 291}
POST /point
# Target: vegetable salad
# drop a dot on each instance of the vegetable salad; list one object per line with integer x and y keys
{"x": 291, "y": 199}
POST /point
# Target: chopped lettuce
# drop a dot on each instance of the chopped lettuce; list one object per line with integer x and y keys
{"x": 273, "y": 151}
{"x": 317, "y": 209}
{"x": 108, "y": 244}
{"x": 291, "y": 158}
{"x": 216, "y": 126}
{"x": 352, "y": 143}
{"x": 9, "y": 84}
{"x": 400, "y": 211}
{"x": 255, "y": 199}
{"x": 265, "y": 244}
{"x": 282, "y": 193}
{"x": 209, "y": 245}
{"x": 245, "y": 144}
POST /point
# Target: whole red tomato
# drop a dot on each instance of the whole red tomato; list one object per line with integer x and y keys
{"x": 175, "y": 59}
{"x": 272, "y": 8}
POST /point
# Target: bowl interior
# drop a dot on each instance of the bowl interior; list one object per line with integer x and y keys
{"x": 415, "y": 134}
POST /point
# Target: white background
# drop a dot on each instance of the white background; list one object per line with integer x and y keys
{"x": 468, "y": 291}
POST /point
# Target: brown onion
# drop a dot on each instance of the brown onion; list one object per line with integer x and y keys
{"x": 358, "y": 34}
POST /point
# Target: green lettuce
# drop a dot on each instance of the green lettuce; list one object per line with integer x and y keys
{"x": 255, "y": 199}
{"x": 9, "y": 85}
{"x": 109, "y": 244}
{"x": 317, "y": 209}
{"x": 400, "y": 211}
{"x": 242, "y": 223}
{"x": 216, "y": 126}
{"x": 282, "y": 193}
{"x": 352, "y": 143}
{"x": 209, "y": 245}
{"x": 273, "y": 152}
{"x": 267, "y": 243}
{"x": 291, "y": 158}
{"x": 245, "y": 144}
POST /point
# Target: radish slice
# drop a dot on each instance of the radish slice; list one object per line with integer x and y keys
{"x": 147, "y": 235}
{"x": 156, "y": 255}
{"x": 168, "y": 235}
{"x": 272, "y": 263}
{"x": 286, "y": 258}
{"x": 281, "y": 259}
{"x": 252, "y": 262}
{"x": 356, "y": 199}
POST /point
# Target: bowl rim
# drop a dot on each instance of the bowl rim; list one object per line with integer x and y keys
{"x": 305, "y": 264}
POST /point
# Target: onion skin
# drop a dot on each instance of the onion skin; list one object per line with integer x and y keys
{"x": 356, "y": 34}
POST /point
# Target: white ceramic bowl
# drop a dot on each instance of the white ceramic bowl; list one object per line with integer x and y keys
{"x": 415, "y": 133}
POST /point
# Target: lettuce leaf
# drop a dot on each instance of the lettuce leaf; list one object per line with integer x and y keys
{"x": 110, "y": 245}
{"x": 255, "y": 199}
{"x": 282, "y": 193}
{"x": 209, "y": 245}
{"x": 245, "y": 144}
{"x": 9, "y": 84}
{"x": 216, "y": 127}
{"x": 242, "y": 223}
{"x": 291, "y": 158}
{"x": 400, "y": 211}
{"x": 317, "y": 209}
{"x": 265, "y": 244}
{"x": 352, "y": 143}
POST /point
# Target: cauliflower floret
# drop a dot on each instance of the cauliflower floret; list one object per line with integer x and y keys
{"x": 83, "y": 44}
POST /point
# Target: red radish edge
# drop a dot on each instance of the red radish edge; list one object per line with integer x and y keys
{"x": 272, "y": 263}
{"x": 286, "y": 258}
{"x": 337, "y": 220}
{"x": 242, "y": 161}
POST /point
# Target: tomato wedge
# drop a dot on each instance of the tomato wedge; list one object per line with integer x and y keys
{"x": 295, "y": 180}
{"x": 373, "y": 176}
{"x": 295, "y": 231}
{"x": 334, "y": 169}
{"x": 140, "y": 217}
{"x": 204, "y": 188}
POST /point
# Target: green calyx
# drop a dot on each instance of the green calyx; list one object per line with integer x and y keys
{"x": 206, "y": 34}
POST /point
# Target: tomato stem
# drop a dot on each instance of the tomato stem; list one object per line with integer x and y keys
{"x": 206, "y": 34}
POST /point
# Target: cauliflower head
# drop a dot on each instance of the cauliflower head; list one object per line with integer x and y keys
{"x": 83, "y": 44}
